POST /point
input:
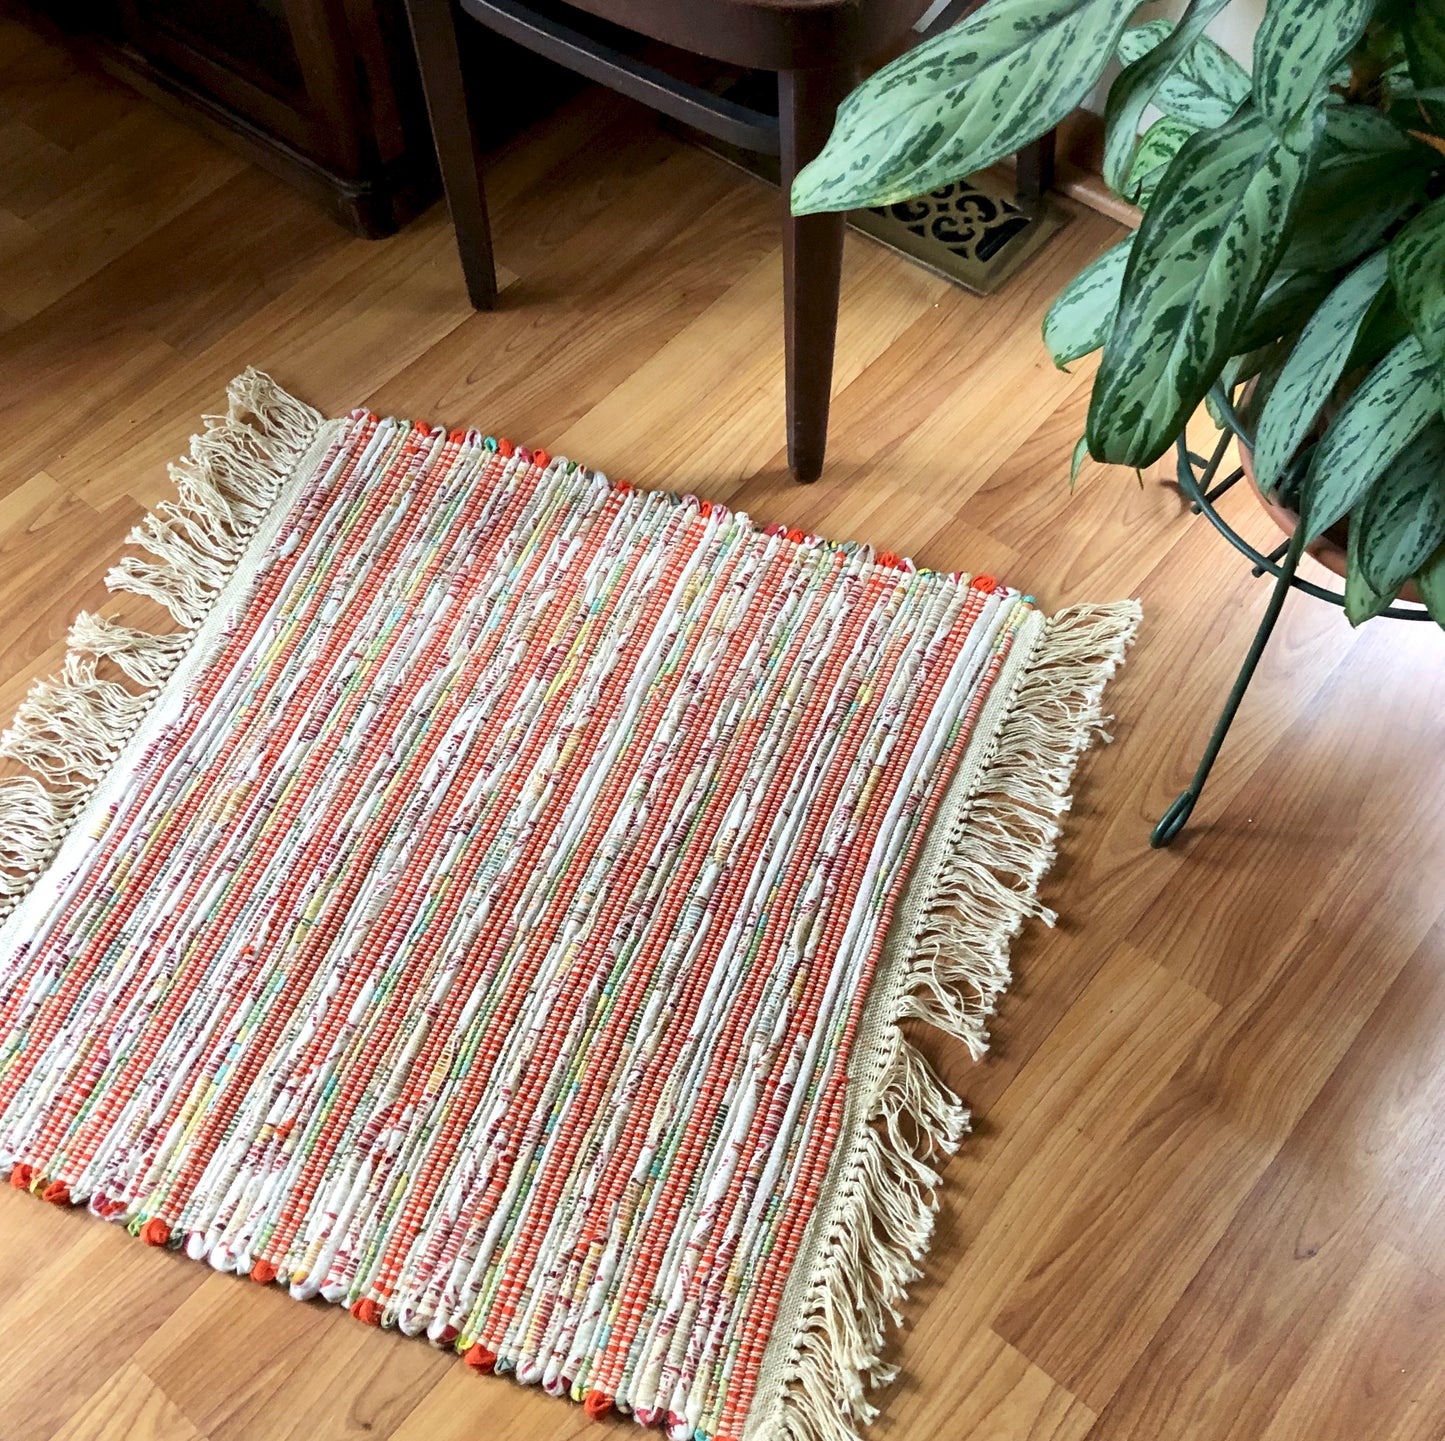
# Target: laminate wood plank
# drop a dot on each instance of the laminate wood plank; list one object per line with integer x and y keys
{"x": 949, "y": 369}
{"x": 1089, "y": 1075}
{"x": 42, "y": 85}
{"x": 110, "y": 350}
{"x": 202, "y": 273}
{"x": 139, "y": 176}
{"x": 1164, "y": 702}
{"x": 951, "y": 408}
{"x": 145, "y": 313}
{"x": 1120, "y": 1258}
{"x": 94, "y": 1298}
{"x": 48, "y": 1231}
{"x": 631, "y": 278}
{"x": 1095, "y": 538}
{"x": 33, "y": 170}
{"x": 316, "y": 1374}
{"x": 1247, "y": 1326}
{"x": 53, "y": 547}
{"x": 729, "y": 354}
{"x": 1202, "y": 1200}
{"x": 535, "y": 164}
{"x": 1382, "y": 1122}
{"x": 53, "y": 404}
{"x": 913, "y": 429}
{"x": 129, "y": 1407}
{"x": 325, "y": 333}
{"x": 904, "y": 520}
{"x": 998, "y": 1395}
{"x": 1033, "y": 1150}
{"x": 456, "y": 1410}
{"x": 23, "y": 44}
{"x": 324, "y": 326}
{"x": 1368, "y": 1379}
{"x": 1295, "y": 826}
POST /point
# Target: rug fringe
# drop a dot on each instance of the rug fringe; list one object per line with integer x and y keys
{"x": 1002, "y": 840}
{"x": 70, "y": 728}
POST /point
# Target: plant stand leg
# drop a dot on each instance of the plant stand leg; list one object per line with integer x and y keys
{"x": 1173, "y": 820}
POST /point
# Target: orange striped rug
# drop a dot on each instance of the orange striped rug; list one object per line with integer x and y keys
{"x": 493, "y": 903}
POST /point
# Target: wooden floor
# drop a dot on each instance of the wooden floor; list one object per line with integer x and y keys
{"x": 1206, "y": 1196}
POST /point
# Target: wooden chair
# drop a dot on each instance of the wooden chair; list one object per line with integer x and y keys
{"x": 817, "y": 48}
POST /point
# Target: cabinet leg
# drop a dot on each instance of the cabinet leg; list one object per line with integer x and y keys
{"x": 1035, "y": 173}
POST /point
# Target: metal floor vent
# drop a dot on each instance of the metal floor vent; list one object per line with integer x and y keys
{"x": 972, "y": 232}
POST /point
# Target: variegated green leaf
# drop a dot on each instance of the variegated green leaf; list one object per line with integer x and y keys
{"x": 1362, "y": 130}
{"x": 1367, "y": 174}
{"x": 1160, "y": 143}
{"x": 1417, "y": 271}
{"x": 1254, "y": 365}
{"x": 1382, "y": 329}
{"x": 1079, "y": 318}
{"x": 1313, "y": 369}
{"x": 962, "y": 100}
{"x": 1297, "y": 46}
{"x": 1134, "y": 90}
{"x": 1289, "y": 300}
{"x": 1239, "y": 368}
{"x": 1209, "y": 242}
{"x": 1430, "y": 582}
{"x": 1252, "y": 405}
{"x": 1402, "y": 520}
{"x": 1392, "y": 406}
{"x": 1422, "y": 28}
{"x": 1080, "y": 455}
{"x": 1138, "y": 40}
{"x": 1208, "y": 86}
{"x": 1362, "y": 601}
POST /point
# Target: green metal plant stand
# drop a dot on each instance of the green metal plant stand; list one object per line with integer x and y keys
{"x": 1198, "y": 479}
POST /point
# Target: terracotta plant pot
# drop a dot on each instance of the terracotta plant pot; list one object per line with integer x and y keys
{"x": 1331, "y": 548}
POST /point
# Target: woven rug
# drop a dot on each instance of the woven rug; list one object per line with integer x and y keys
{"x": 492, "y": 906}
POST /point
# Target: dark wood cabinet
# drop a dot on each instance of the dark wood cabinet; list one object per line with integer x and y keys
{"x": 322, "y": 92}
{"x": 293, "y": 67}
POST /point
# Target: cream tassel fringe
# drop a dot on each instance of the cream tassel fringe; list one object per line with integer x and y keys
{"x": 69, "y": 729}
{"x": 1003, "y": 841}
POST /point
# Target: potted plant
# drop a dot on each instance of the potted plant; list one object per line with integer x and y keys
{"x": 1292, "y": 241}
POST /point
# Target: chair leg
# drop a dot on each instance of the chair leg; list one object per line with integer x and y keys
{"x": 812, "y": 264}
{"x": 452, "y": 105}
